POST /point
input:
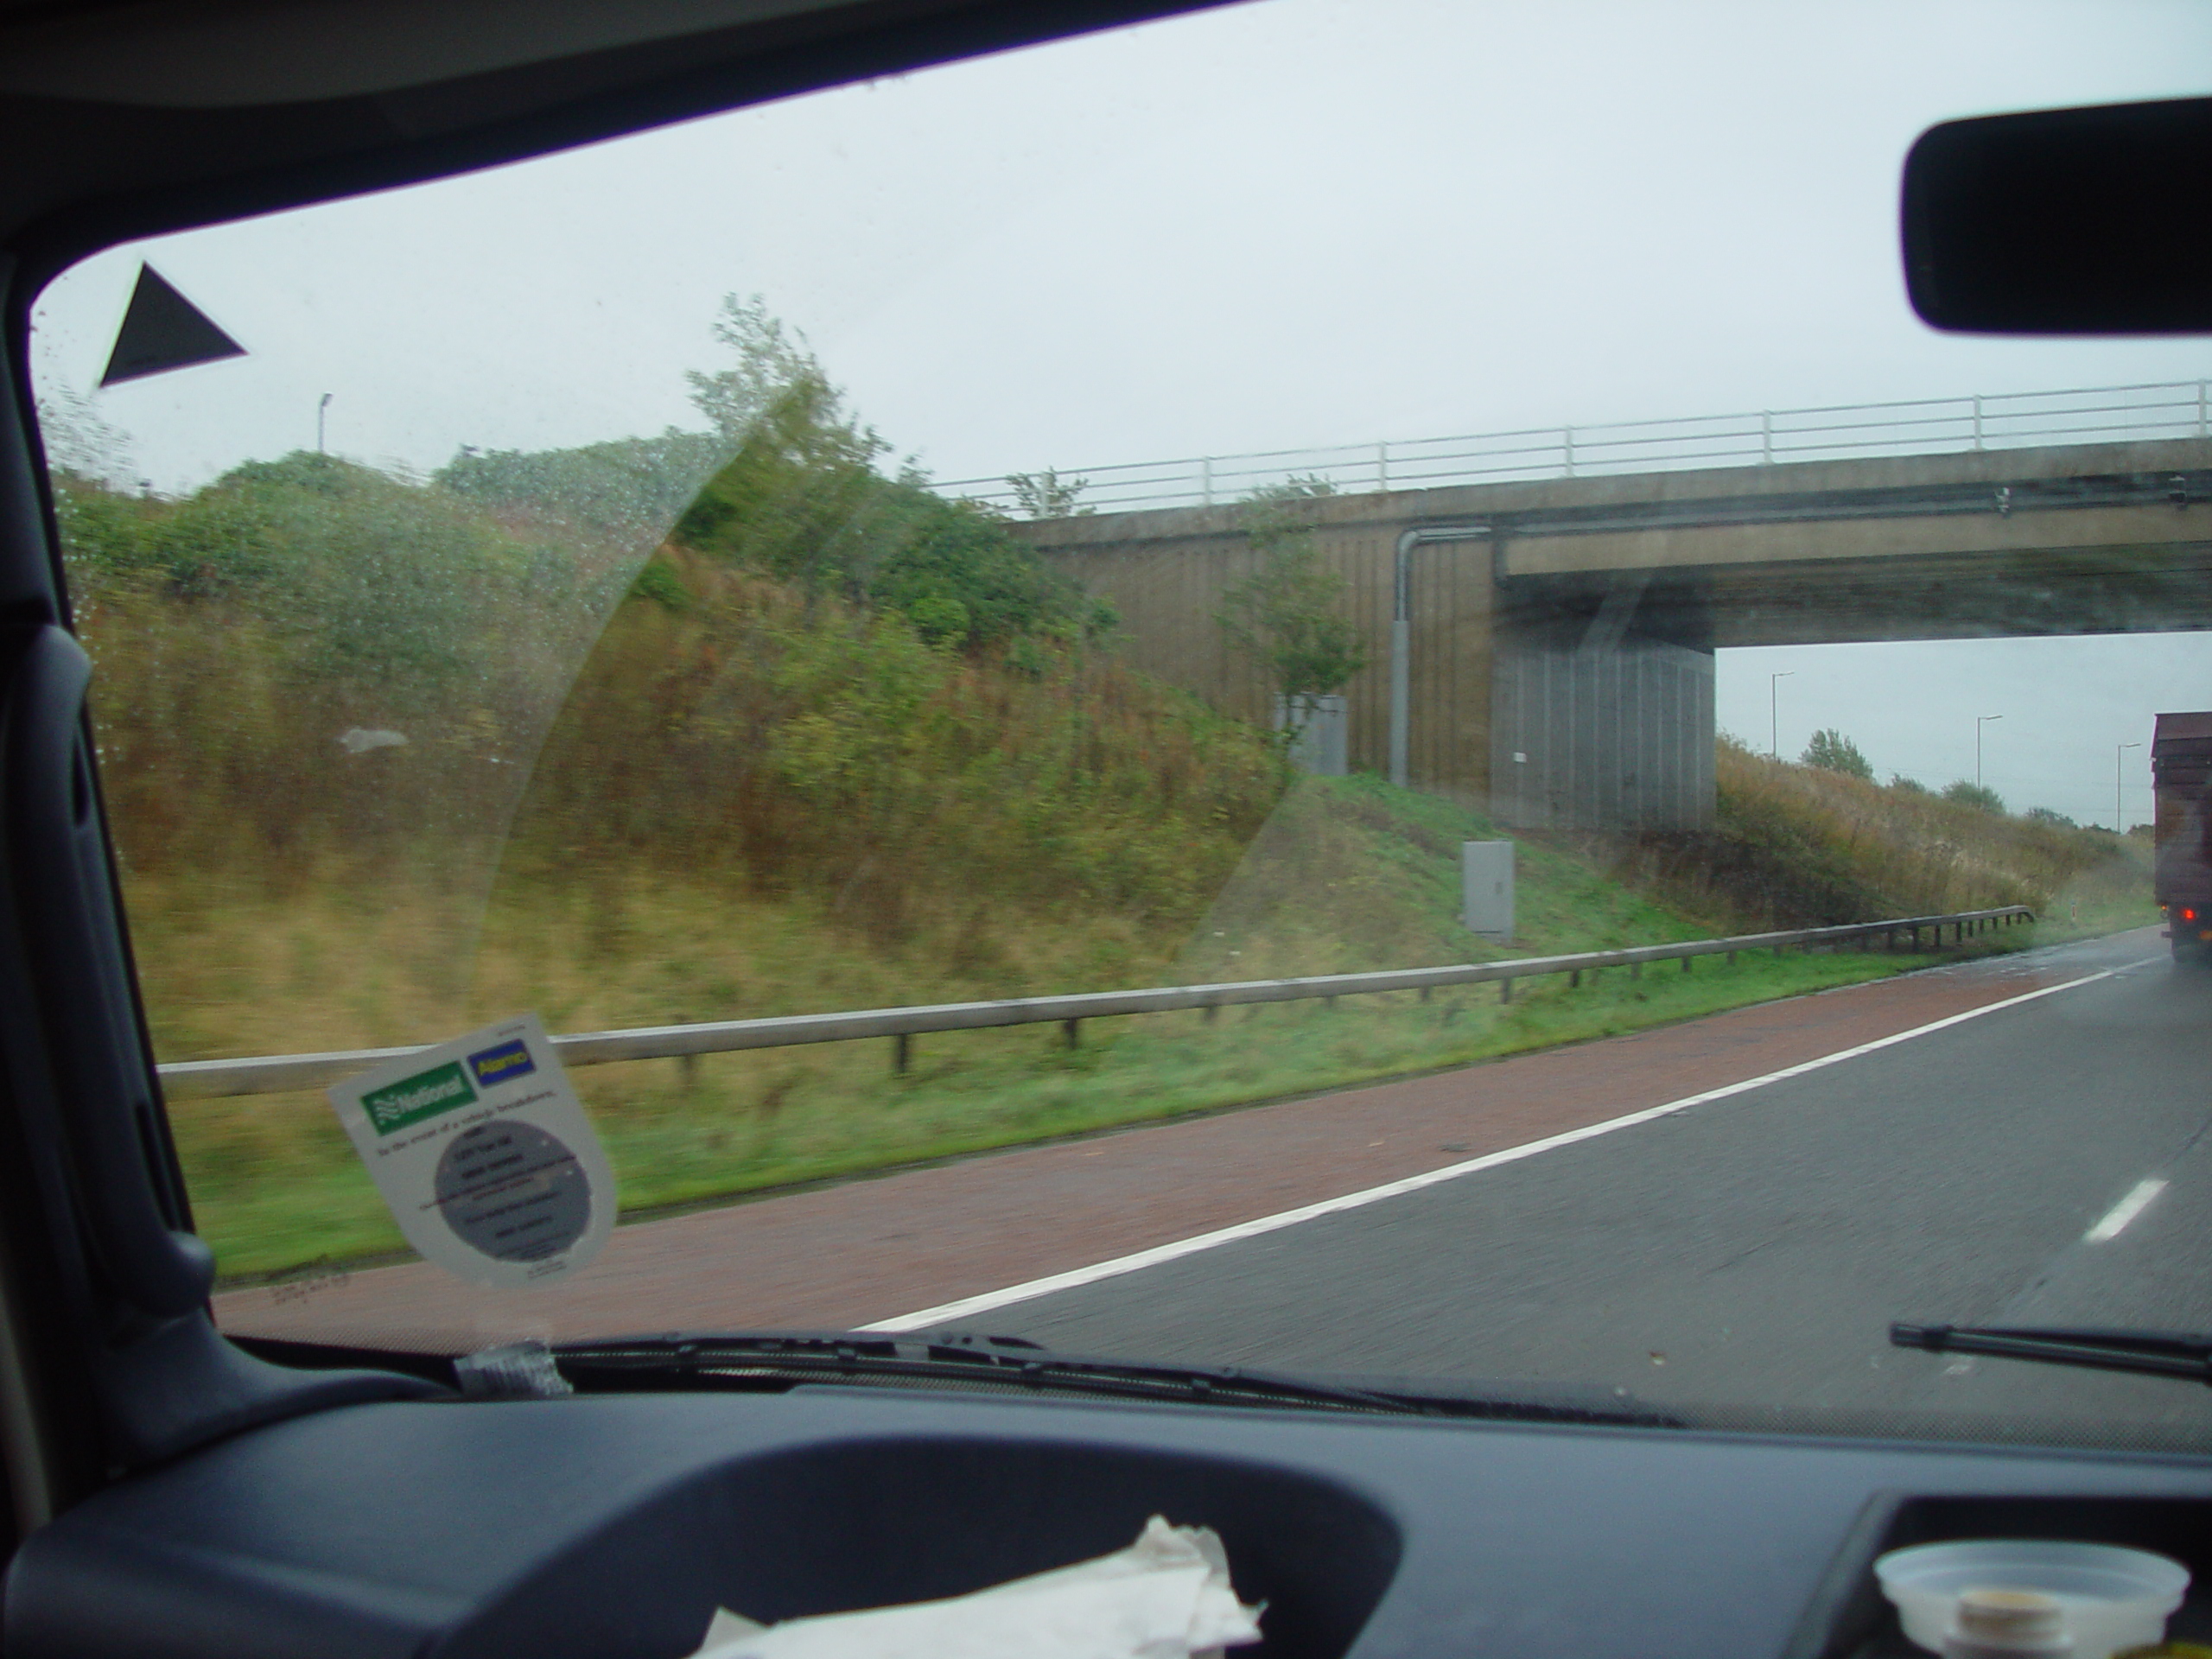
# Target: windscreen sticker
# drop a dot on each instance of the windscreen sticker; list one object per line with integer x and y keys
{"x": 483, "y": 1152}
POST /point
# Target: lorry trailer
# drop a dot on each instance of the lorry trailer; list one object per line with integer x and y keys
{"x": 2181, "y": 772}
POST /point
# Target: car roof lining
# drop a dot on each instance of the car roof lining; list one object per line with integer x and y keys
{"x": 201, "y": 55}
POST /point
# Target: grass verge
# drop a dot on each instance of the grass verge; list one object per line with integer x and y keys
{"x": 1347, "y": 875}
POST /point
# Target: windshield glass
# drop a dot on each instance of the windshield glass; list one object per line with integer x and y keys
{"x": 856, "y": 556}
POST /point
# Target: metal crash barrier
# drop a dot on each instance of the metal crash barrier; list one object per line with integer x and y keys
{"x": 276, "y": 1074}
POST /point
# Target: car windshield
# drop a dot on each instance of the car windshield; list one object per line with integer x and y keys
{"x": 1171, "y": 521}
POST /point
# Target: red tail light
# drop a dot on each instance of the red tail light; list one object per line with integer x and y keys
{"x": 2189, "y": 915}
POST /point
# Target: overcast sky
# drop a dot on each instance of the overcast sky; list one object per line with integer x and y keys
{"x": 1289, "y": 223}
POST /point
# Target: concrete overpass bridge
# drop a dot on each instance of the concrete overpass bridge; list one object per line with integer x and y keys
{"x": 1542, "y": 649}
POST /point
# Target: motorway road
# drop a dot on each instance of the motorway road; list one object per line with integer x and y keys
{"x": 1950, "y": 1145}
{"x": 2045, "y": 1163}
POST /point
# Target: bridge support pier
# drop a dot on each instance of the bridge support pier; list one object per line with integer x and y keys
{"x": 1617, "y": 736}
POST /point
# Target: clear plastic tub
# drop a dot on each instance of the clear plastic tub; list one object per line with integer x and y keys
{"x": 2114, "y": 1598}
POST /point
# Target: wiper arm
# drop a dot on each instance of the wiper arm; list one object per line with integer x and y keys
{"x": 2153, "y": 1353}
{"x": 770, "y": 1362}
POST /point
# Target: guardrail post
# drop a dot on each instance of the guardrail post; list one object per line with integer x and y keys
{"x": 1383, "y": 468}
{"x": 688, "y": 1067}
{"x": 1567, "y": 449}
{"x": 1574, "y": 980}
{"x": 1977, "y": 420}
{"x": 1209, "y": 1013}
{"x": 902, "y": 1049}
{"x": 1071, "y": 1032}
{"x": 1636, "y": 969}
{"x": 2202, "y": 429}
{"x": 1766, "y": 437}
{"x": 1731, "y": 958}
{"x": 1686, "y": 962}
{"x": 1206, "y": 480}
{"x": 1505, "y": 990}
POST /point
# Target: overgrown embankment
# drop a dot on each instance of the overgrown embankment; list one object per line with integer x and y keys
{"x": 1800, "y": 846}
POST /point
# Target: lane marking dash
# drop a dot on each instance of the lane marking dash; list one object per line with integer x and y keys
{"x": 969, "y": 1307}
{"x": 2138, "y": 1199}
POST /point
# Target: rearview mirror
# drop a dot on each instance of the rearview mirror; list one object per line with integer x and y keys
{"x": 2090, "y": 221}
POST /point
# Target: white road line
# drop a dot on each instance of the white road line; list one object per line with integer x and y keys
{"x": 2137, "y": 1200}
{"x": 968, "y": 1306}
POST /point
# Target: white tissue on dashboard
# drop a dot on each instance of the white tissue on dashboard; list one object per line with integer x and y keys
{"x": 1167, "y": 1595}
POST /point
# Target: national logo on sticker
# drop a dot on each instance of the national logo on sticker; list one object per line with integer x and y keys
{"x": 412, "y": 1099}
{"x": 496, "y": 1066}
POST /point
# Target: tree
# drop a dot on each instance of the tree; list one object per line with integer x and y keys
{"x": 954, "y": 571}
{"x": 1287, "y": 615}
{"x": 803, "y": 500}
{"x": 1906, "y": 786}
{"x": 773, "y": 364}
{"x": 1963, "y": 793}
{"x": 1046, "y": 494}
{"x": 798, "y": 498}
{"x": 2044, "y": 815}
{"x": 629, "y": 490}
{"x": 1831, "y": 751}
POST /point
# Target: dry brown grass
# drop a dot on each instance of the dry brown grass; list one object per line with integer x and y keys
{"x": 1797, "y": 846}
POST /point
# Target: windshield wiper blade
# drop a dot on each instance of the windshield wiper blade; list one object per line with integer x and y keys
{"x": 780, "y": 1360}
{"x": 2153, "y": 1353}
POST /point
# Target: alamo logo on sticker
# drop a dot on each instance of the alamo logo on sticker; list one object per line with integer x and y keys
{"x": 412, "y": 1099}
{"x": 496, "y": 1066}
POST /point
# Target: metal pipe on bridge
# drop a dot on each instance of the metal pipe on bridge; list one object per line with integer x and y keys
{"x": 1401, "y": 633}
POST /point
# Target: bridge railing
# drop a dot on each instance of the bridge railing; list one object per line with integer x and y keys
{"x": 2176, "y": 409}
{"x": 278, "y": 1073}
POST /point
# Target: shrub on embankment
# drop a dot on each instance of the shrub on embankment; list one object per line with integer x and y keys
{"x": 812, "y": 749}
{"x": 1805, "y": 846}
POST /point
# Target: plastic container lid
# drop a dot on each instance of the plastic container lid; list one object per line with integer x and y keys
{"x": 2112, "y": 1598}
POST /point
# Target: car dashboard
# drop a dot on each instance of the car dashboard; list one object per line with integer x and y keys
{"x": 615, "y": 1525}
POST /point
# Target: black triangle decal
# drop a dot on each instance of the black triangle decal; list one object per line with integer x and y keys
{"x": 162, "y": 330}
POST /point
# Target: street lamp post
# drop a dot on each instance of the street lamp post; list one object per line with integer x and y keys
{"x": 2118, "y": 825}
{"x": 1979, "y": 720}
{"x": 321, "y": 410}
{"x": 1773, "y": 713}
